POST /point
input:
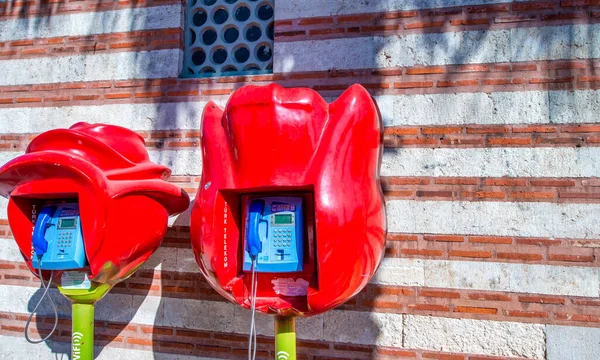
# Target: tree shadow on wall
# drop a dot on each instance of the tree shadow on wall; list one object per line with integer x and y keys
{"x": 479, "y": 63}
{"x": 43, "y": 322}
{"x": 112, "y": 316}
{"x": 198, "y": 300}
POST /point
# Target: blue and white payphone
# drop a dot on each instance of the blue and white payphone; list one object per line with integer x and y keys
{"x": 274, "y": 234}
{"x": 57, "y": 239}
{"x": 57, "y": 243}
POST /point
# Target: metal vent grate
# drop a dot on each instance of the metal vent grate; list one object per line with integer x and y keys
{"x": 228, "y": 37}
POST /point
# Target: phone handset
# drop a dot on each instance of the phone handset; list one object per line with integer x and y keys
{"x": 254, "y": 244}
{"x": 40, "y": 246}
{"x": 39, "y": 242}
{"x": 254, "y": 247}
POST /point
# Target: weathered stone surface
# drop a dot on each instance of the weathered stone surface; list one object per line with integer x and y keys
{"x": 109, "y": 66}
{"x": 363, "y": 328}
{"x": 181, "y": 162}
{"x": 490, "y": 276}
{"x": 291, "y": 9}
{"x": 466, "y": 108}
{"x": 293, "y": 56}
{"x": 3, "y": 208}
{"x": 398, "y": 271}
{"x": 91, "y": 23}
{"x": 164, "y": 258}
{"x": 139, "y": 117}
{"x": 147, "y": 310}
{"x": 555, "y": 42}
{"x": 22, "y": 299}
{"x": 14, "y": 348}
{"x": 467, "y": 275}
{"x": 525, "y": 107}
{"x": 510, "y": 277}
{"x": 306, "y": 328}
{"x": 572, "y": 343}
{"x": 392, "y": 51}
{"x": 557, "y": 280}
{"x": 475, "y": 336}
{"x": 461, "y": 47}
{"x": 119, "y": 307}
{"x": 199, "y": 314}
{"x": 581, "y": 106}
{"x": 492, "y": 162}
{"x": 9, "y": 251}
{"x": 240, "y": 320}
{"x": 534, "y": 219}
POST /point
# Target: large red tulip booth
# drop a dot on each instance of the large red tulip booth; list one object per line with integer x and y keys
{"x": 87, "y": 207}
{"x": 289, "y": 218}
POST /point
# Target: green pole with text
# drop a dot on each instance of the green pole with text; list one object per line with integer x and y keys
{"x": 82, "y": 321}
{"x": 82, "y": 334}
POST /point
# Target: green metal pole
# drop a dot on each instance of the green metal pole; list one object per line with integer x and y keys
{"x": 82, "y": 322}
{"x": 82, "y": 334}
{"x": 285, "y": 338}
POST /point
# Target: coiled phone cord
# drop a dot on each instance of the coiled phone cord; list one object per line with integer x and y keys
{"x": 252, "y": 337}
{"x": 46, "y": 288}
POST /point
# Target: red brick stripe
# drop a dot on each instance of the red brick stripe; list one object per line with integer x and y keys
{"x": 36, "y": 8}
{"x": 143, "y": 40}
{"x": 498, "y": 77}
{"x": 443, "y": 136}
{"x": 557, "y": 190}
{"x": 513, "y": 189}
{"x": 461, "y": 18}
{"x": 564, "y": 252}
{"x": 455, "y": 303}
{"x": 527, "y": 250}
{"x": 513, "y": 249}
{"x": 470, "y": 136}
{"x": 178, "y": 340}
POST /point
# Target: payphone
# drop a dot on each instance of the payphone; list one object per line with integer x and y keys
{"x": 57, "y": 239}
{"x": 274, "y": 234}
{"x": 274, "y": 243}
{"x": 57, "y": 244}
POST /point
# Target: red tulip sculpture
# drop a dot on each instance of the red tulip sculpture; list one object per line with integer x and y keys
{"x": 124, "y": 204}
{"x": 271, "y": 140}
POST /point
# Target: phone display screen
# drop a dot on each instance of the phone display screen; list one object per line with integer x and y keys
{"x": 66, "y": 224}
{"x": 283, "y": 219}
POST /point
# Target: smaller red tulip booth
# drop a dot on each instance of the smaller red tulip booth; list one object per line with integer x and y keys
{"x": 119, "y": 201}
{"x": 300, "y": 177}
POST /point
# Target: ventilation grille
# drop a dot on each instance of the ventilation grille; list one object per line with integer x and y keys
{"x": 228, "y": 37}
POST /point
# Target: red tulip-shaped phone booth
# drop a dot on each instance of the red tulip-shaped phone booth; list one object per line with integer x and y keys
{"x": 87, "y": 207}
{"x": 290, "y": 216}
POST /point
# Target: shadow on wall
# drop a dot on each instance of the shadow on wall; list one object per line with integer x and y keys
{"x": 74, "y": 19}
{"x": 44, "y": 323}
{"x": 112, "y": 315}
{"x": 430, "y": 49}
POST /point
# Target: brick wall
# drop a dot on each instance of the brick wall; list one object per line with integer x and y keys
{"x": 490, "y": 171}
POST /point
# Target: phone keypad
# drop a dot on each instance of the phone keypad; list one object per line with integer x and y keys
{"x": 282, "y": 237}
{"x": 65, "y": 239}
